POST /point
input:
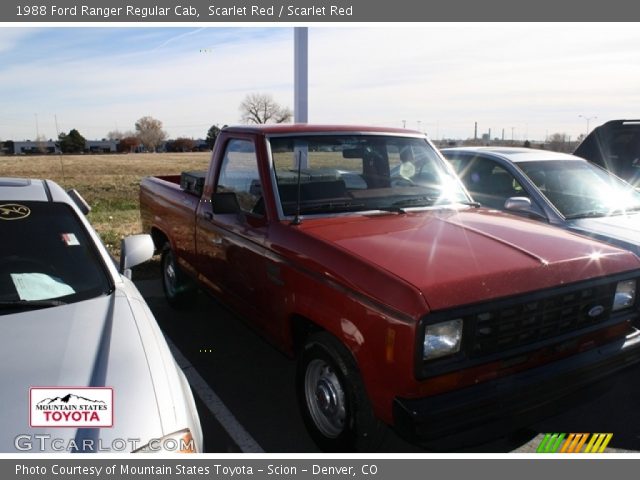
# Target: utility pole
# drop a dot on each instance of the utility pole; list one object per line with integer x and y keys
{"x": 301, "y": 89}
{"x": 301, "y": 75}
{"x": 588, "y": 119}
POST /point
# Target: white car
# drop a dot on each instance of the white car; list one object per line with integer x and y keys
{"x": 84, "y": 366}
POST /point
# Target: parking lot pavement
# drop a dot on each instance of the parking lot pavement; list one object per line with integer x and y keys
{"x": 246, "y": 398}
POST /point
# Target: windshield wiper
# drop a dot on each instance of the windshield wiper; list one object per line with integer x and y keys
{"x": 588, "y": 214}
{"x": 391, "y": 209}
{"x": 332, "y": 207}
{"x": 412, "y": 202}
{"x": 622, "y": 211}
{"x": 30, "y": 304}
{"x": 470, "y": 203}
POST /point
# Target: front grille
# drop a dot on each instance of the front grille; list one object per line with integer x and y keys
{"x": 496, "y": 330}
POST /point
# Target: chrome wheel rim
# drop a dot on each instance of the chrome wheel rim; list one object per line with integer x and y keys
{"x": 325, "y": 398}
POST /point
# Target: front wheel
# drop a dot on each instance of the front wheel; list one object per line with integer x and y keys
{"x": 332, "y": 398}
{"x": 179, "y": 290}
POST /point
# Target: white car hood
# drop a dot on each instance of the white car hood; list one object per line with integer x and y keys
{"x": 91, "y": 343}
{"x": 621, "y": 230}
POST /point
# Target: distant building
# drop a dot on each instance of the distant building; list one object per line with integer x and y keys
{"x": 30, "y": 147}
{"x": 101, "y": 146}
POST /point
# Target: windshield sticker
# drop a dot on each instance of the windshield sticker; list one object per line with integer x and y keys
{"x": 38, "y": 286}
{"x": 13, "y": 211}
{"x": 70, "y": 239}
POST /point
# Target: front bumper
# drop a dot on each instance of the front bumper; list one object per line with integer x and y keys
{"x": 499, "y": 406}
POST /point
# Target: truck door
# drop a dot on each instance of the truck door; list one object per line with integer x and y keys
{"x": 230, "y": 245}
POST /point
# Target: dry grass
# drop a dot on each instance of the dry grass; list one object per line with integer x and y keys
{"x": 109, "y": 183}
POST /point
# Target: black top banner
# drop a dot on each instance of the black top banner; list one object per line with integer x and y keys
{"x": 314, "y": 11}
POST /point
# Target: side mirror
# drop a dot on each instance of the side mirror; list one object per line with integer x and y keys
{"x": 80, "y": 202}
{"x": 135, "y": 250}
{"x": 522, "y": 205}
{"x": 225, "y": 202}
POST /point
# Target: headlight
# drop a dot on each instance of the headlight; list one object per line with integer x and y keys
{"x": 625, "y": 295}
{"x": 178, "y": 442}
{"x": 442, "y": 339}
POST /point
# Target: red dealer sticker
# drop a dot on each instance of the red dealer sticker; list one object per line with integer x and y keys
{"x": 72, "y": 407}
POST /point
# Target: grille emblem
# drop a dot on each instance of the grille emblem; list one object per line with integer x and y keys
{"x": 595, "y": 311}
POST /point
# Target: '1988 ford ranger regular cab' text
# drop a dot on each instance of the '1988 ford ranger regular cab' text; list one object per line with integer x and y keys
{"x": 404, "y": 302}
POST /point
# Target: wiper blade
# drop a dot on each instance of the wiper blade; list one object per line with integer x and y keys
{"x": 391, "y": 209}
{"x": 470, "y": 204}
{"x": 30, "y": 304}
{"x": 332, "y": 207}
{"x": 622, "y": 211}
{"x": 589, "y": 214}
{"x": 413, "y": 202}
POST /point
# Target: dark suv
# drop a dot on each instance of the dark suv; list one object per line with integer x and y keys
{"x": 615, "y": 145}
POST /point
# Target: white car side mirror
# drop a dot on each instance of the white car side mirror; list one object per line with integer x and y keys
{"x": 134, "y": 250}
{"x": 522, "y": 205}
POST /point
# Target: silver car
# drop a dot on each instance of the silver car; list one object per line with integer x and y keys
{"x": 84, "y": 366}
{"x": 557, "y": 188}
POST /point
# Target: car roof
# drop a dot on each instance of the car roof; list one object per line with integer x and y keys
{"x": 516, "y": 154}
{"x": 31, "y": 190}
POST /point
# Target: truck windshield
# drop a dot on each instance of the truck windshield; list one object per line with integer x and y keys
{"x": 341, "y": 173}
{"x": 48, "y": 258}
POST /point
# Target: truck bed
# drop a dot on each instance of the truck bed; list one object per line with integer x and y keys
{"x": 170, "y": 209}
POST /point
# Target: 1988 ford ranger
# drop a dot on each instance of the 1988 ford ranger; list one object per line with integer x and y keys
{"x": 405, "y": 303}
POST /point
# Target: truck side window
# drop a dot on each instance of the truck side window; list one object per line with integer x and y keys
{"x": 239, "y": 174}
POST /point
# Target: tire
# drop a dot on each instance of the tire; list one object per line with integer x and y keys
{"x": 332, "y": 399}
{"x": 179, "y": 290}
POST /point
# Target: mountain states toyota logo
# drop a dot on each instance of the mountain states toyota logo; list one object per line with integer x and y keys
{"x": 75, "y": 407}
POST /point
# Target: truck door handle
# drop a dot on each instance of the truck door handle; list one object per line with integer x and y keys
{"x": 208, "y": 215}
{"x": 216, "y": 240}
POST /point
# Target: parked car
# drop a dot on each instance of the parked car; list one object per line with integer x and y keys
{"x": 74, "y": 329}
{"x": 404, "y": 303}
{"x": 557, "y": 188}
{"x": 615, "y": 146}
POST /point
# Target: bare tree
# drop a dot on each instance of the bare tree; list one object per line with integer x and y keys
{"x": 262, "y": 108}
{"x": 150, "y": 132}
{"x": 559, "y": 142}
{"x": 118, "y": 135}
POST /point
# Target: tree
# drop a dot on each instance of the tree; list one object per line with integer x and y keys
{"x": 262, "y": 108}
{"x": 212, "y": 134}
{"x": 128, "y": 144}
{"x": 119, "y": 135}
{"x": 149, "y": 131}
{"x": 182, "y": 144}
{"x": 71, "y": 143}
{"x": 558, "y": 142}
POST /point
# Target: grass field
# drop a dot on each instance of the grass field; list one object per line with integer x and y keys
{"x": 109, "y": 183}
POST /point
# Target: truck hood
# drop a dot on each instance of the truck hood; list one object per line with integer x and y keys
{"x": 621, "y": 230}
{"x": 93, "y": 343}
{"x": 463, "y": 257}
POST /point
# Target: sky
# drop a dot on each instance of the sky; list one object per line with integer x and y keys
{"x": 521, "y": 80}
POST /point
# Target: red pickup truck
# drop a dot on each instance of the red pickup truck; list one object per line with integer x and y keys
{"x": 357, "y": 250}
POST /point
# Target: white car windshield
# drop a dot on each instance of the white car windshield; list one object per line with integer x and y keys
{"x": 349, "y": 172}
{"x": 47, "y": 257}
